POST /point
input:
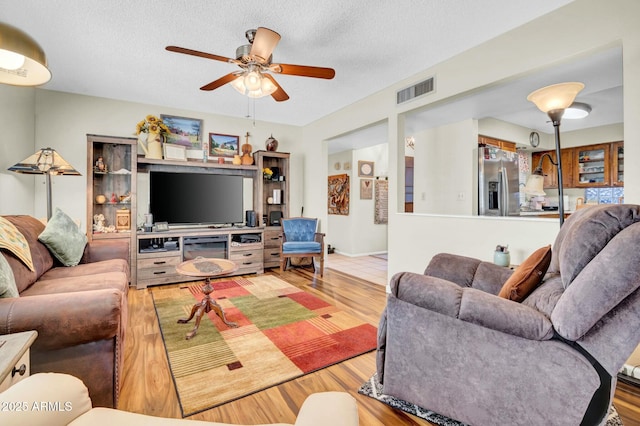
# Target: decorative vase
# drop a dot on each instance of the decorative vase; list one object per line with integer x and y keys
{"x": 271, "y": 143}
{"x": 237, "y": 160}
{"x": 153, "y": 146}
{"x": 502, "y": 258}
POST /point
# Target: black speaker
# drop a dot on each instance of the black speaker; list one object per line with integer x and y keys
{"x": 274, "y": 218}
{"x": 251, "y": 218}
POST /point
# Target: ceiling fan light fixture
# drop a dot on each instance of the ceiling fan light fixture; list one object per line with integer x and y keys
{"x": 238, "y": 84}
{"x": 267, "y": 86}
{"x": 253, "y": 80}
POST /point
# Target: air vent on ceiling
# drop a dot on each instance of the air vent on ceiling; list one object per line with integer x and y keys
{"x": 418, "y": 89}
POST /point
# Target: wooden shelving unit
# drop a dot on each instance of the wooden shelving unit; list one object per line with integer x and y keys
{"x": 265, "y": 203}
{"x": 116, "y": 180}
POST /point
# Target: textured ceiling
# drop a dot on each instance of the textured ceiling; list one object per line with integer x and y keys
{"x": 115, "y": 49}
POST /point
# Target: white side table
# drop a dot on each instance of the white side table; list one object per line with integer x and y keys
{"x": 14, "y": 357}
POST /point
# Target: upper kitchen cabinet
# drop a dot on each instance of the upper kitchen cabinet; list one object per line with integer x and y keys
{"x": 549, "y": 169}
{"x": 592, "y": 165}
{"x": 504, "y": 145}
{"x": 617, "y": 163}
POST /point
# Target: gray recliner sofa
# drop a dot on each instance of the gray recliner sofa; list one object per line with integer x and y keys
{"x": 448, "y": 343}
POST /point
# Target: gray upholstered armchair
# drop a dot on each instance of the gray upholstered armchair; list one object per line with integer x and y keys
{"x": 300, "y": 239}
{"x": 449, "y": 344}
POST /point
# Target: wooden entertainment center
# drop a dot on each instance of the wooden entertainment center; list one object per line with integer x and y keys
{"x": 158, "y": 253}
{"x": 113, "y": 165}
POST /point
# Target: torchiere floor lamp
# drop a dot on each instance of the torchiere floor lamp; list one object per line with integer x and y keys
{"x": 553, "y": 100}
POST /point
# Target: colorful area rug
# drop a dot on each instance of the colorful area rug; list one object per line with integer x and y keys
{"x": 283, "y": 333}
{"x": 373, "y": 389}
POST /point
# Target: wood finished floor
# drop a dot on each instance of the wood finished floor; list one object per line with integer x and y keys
{"x": 147, "y": 386}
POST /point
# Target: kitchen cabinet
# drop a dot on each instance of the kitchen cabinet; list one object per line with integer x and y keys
{"x": 549, "y": 170}
{"x": 504, "y": 145}
{"x": 588, "y": 166}
{"x": 592, "y": 165}
{"x": 617, "y": 163}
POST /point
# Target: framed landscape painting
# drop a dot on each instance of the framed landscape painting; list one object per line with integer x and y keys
{"x": 221, "y": 145}
{"x": 184, "y": 131}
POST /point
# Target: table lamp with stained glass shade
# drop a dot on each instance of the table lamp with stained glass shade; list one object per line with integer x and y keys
{"x": 46, "y": 162}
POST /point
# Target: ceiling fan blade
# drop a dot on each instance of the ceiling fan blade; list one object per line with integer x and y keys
{"x": 304, "y": 71}
{"x": 279, "y": 95}
{"x": 220, "y": 82}
{"x": 197, "y": 53}
{"x": 264, "y": 42}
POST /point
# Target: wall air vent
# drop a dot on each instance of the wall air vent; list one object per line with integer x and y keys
{"x": 418, "y": 89}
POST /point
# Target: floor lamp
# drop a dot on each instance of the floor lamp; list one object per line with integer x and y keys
{"x": 553, "y": 100}
{"x": 45, "y": 162}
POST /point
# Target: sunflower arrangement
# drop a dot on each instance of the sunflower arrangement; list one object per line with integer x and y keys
{"x": 152, "y": 124}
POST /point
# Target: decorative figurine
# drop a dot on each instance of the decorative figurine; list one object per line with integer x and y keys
{"x": 113, "y": 199}
{"x": 100, "y": 166}
{"x": 99, "y": 226}
{"x": 247, "y": 159}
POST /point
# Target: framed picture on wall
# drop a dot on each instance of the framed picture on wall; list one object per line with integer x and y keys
{"x": 338, "y": 195}
{"x": 221, "y": 145}
{"x": 366, "y": 189}
{"x": 186, "y": 132}
{"x": 174, "y": 152}
{"x": 365, "y": 168}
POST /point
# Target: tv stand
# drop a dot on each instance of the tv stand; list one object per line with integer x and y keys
{"x": 158, "y": 253}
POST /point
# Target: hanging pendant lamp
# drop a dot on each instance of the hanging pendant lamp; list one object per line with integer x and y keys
{"x": 22, "y": 60}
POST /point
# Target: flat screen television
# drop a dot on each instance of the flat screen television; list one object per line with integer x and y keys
{"x": 195, "y": 198}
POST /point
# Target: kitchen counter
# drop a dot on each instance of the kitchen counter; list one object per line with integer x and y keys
{"x": 544, "y": 213}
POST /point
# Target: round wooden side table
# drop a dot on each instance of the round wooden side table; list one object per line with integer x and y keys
{"x": 206, "y": 268}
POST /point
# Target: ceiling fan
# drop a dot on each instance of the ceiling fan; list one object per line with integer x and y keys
{"x": 255, "y": 59}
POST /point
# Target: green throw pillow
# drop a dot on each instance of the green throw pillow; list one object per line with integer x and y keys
{"x": 63, "y": 239}
{"x": 7, "y": 280}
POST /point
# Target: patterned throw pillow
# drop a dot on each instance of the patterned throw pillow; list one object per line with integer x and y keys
{"x": 64, "y": 239}
{"x": 8, "y": 286}
{"x": 13, "y": 240}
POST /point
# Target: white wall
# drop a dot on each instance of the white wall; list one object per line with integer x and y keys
{"x": 357, "y": 234}
{"x": 339, "y": 226}
{"x": 445, "y": 168}
{"x": 62, "y": 121}
{"x": 571, "y": 31}
{"x": 17, "y": 108}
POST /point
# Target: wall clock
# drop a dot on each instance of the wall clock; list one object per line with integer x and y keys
{"x": 534, "y": 139}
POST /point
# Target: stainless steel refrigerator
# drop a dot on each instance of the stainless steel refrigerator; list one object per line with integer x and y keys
{"x": 498, "y": 183}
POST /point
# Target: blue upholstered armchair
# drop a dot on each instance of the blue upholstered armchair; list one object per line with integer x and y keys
{"x": 300, "y": 239}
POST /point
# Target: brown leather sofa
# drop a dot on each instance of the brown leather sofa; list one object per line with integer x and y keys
{"x": 80, "y": 312}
